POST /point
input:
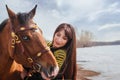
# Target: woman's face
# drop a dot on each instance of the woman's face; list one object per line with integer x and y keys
{"x": 60, "y": 39}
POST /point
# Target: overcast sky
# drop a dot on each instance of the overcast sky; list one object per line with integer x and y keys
{"x": 101, "y": 17}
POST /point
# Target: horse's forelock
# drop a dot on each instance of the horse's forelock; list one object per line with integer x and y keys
{"x": 23, "y": 18}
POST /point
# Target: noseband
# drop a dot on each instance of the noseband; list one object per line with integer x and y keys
{"x": 16, "y": 40}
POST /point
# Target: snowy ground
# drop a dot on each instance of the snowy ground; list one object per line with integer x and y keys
{"x": 103, "y": 59}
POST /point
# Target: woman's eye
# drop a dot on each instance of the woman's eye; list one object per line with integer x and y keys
{"x": 58, "y": 35}
{"x": 25, "y": 38}
{"x": 65, "y": 38}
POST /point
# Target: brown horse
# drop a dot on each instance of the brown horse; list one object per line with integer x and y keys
{"x": 22, "y": 43}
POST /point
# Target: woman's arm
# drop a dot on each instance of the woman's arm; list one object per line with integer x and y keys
{"x": 60, "y": 56}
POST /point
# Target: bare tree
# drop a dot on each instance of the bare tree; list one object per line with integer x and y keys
{"x": 85, "y": 38}
{"x": 77, "y": 37}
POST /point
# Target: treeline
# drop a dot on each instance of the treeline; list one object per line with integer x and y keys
{"x": 84, "y": 38}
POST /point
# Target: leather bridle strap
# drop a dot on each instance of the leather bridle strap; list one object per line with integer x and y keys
{"x": 17, "y": 40}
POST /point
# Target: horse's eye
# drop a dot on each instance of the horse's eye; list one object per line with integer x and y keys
{"x": 25, "y": 38}
{"x": 33, "y": 29}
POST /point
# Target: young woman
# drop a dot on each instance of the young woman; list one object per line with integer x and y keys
{"x": 63, "y": 47}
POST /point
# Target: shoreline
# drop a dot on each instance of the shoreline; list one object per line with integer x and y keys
{"x": 83, "y": 74}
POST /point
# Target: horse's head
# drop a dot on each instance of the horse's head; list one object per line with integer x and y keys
{"x": 28, "y": 45}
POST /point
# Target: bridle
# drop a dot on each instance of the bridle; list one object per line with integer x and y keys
{"x": 17, "y": 40}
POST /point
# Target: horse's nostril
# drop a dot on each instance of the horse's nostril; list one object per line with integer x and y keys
{"x": 52, "y": 77}
{"x": 37, "y": 67}
{"x": 51, "y": 69}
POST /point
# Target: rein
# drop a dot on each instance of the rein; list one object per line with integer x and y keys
{"x": 16, "y": 40}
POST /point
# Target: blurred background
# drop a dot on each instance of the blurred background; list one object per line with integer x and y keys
{"x": 93, "y": 20}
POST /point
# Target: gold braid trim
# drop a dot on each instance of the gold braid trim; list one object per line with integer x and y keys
{"x": 15, "y": 39}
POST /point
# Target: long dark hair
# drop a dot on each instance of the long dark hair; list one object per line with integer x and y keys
{"x": 69, "y": 66}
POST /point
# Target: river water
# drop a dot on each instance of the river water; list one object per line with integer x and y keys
{"x": 103, "y": 59}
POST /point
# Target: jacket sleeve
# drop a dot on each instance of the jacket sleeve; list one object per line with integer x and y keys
{"x": 49, "y": 43}
{"x": 60, "y": 56}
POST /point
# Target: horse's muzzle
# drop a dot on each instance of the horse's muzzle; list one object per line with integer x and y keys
{"x": 46, "y": 74}
{"x": 50, "y": 73}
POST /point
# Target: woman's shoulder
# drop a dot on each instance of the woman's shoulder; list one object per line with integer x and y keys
{"x": 60, "y": 51}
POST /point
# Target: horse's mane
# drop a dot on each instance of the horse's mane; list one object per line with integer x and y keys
{"x": 2, "y": 25}
{"x": 23, "y": 19}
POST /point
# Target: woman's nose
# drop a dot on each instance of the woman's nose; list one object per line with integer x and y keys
{"x": 59, "y": 40}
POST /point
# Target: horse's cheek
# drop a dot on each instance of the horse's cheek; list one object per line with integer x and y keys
{"x": 18, "y": 53}
{"x": 19, "y": 48}
{"x": 10, "y": 50}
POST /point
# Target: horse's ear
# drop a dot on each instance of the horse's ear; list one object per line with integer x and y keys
{"x": 10, "y": 13}
{"x": 13, "y": 18}
{"x": 32, "y": 12}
